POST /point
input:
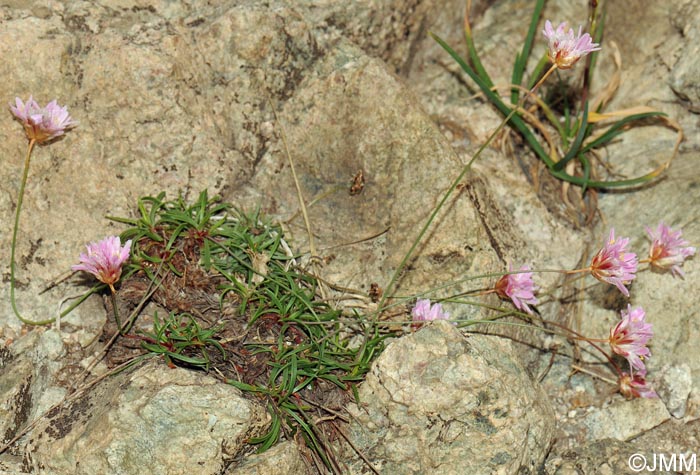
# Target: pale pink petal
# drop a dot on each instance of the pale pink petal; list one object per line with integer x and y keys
{"x": 104, "y": 259}
{"x": 668, "y": 249}
{"x": 566, "y": 48}
{"x": 630, "y": 336}
{"x": 519, "y": 288}
{"x": 423, "y": 311}
{"x": 614, "y": 265}
{"x": 42, "y": 124}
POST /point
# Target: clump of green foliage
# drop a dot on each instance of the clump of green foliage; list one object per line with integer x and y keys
{"x": 241, "y": 307}
{"x": 582, "y": 126}
{"x": 178, "y": 333}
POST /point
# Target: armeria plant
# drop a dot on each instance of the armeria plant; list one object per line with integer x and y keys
{"x": 280, "y": 342}
{"x": 254, "y": 317}
{"x": 613, "y": 263}
{"x": 104, "y": 260}
{"x": 565, "y": 51}
{"x": 241, "y": 307}
{"x": 42, "y": 125}
{"x": 580, "y": 138}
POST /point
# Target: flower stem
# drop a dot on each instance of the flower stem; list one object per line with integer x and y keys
{"x": 113, "y": 293}
{"x": 594, "y": 374}
{"x": 453, "y": 186}
{"x": 576, "y": 271}
{"x": 13, "y": 266}
{"x": 591, "y": 341}
{"x": 481, "y": 292}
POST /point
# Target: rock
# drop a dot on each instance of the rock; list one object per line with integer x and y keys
{"x": 353, "y": 103}
{"x": 624, "y": 420}
{"x": 673, "y": 387}
{"x": 83, "y": 326}
{"x": 685, "y": 73}
{"x": 181, "y": 96}
{"x": 605, "y": 457}
{"x": 282, "y": 459}
{"x": 15, "y": 391}
{"x": 11, "y": 465}
{"x": 27, "y": 380}
{"x": 437, "y": 400}
{"x": 151, "y": 419}
{"x": 673, "y": 440}
{"x": 389, "y": 30}
{"x": 673, "y": 437}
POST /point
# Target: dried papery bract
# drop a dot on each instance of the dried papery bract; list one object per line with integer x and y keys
{"x": 635, "y": 385}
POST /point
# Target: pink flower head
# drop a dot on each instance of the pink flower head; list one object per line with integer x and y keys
{"x": 104, "y": 259}
{"x": 566, "y": 48}
{"x": 614, "y": 265}
{"x": 629, "y": 337}
{"x": 519, "y": 288}
{"x": 423, "y": 311}
{"x": 636, "y": 385}
{"x": 668, "y": 250}
{"x": 40, "y": 124}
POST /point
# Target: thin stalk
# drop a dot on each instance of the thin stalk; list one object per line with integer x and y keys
{"x": 13, "y": 265}
{"x": 113, "y": 294}
{"x": 571, "y": 334}
{"x": 300, "y": 196}
{"x": 453, "y": 186}
{"x": 591, "y": 341}
{"x": 150, "y": 290}
{"x": 594, "y": 374}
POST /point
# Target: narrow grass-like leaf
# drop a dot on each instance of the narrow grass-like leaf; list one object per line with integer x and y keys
{"x": 516, "y": 120}
{"x": 186, "y": 359}
{"x": 303, "y": 352}
{"x": 576, "y": 145}
{"x": 117, "y": 219}
{"x": 617, "y": 128}
{"x": 246, "y": 387}
{"x": 581, "y": 181}
{"x": 521, "y": 59}
{"x": 297, "y": 413}
{"x": 271, "y": 436}
{"x": 473, "y": 55}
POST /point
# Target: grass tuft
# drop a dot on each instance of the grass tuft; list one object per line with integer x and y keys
{"x": 240, "y": 306}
